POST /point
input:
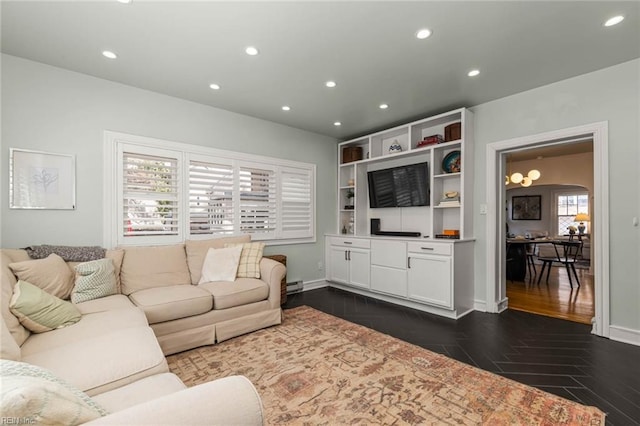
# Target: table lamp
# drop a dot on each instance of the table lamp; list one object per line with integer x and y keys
{"x": 582, "y": 218}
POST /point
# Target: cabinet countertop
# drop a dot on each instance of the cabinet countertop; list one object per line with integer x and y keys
{"x": 400, "y": 238}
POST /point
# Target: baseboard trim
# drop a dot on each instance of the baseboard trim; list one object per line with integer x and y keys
{"x": 314, "y": 285}
{"x": 624, "y": 335}
{"x": 480, "y": 305}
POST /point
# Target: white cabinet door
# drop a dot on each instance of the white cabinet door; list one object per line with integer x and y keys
{"x": 430, "y": 279}
{"x": 339, "y": 268}
{"x": 359, "y": 263}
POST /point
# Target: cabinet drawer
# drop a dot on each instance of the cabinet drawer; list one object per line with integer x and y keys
{"x": 350, "y": 242}
{"x": 392, "y": 254}
{"x": 431, "y": 248}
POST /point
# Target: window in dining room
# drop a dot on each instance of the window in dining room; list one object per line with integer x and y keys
{"x": 567, "y": 207}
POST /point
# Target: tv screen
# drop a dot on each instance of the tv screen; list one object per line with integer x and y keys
{"x": 404, "y": 186}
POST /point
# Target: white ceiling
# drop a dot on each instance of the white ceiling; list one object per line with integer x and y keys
{"x": 368, "y": 48}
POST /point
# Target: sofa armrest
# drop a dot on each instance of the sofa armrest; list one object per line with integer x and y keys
{"x": 272, "y": 273}
{"x": 229, "y": 401}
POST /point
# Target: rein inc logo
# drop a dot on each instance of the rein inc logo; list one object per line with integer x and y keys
{"x": 18, "y": 421}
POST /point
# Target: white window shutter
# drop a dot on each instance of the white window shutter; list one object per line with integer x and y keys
{"x": 150, "y": 196}
{"x": 297, "y": 201}
{"x": 258, "y": 213}
{"x": 211, "y": 199}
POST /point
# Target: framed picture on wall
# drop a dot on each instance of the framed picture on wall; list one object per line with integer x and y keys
{"x": 526, "y": 207}
{"x": 41, "y": 180}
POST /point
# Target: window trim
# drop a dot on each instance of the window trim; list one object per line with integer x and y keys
{"x": 561, "y": 193}
{"x": 112, "y": 183}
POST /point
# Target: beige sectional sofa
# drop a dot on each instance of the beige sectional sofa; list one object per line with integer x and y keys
{"x": 115, "y": 352}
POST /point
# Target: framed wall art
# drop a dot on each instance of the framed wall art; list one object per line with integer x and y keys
{"x": 41, "y": 180}
{"x": 526, "y": 207}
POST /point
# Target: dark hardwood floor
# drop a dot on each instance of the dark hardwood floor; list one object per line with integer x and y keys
{"x": 557, "y": 356}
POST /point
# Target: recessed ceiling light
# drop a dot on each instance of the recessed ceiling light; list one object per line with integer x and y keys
{"x": 330, "y": 83}
{"x": 423, "y": 33}
{"x": 125, "y": 1}
{"x": 473, "y": 73}
{"x": 286, "y": 108}
{"x": 109, "y": 54}
{"x": 614, "y": 21}
{"x": 337, "y": 123}
{"x": 383, "y": 106}
{"x": 214, "y": 86}
{"x": 252, "y": 51}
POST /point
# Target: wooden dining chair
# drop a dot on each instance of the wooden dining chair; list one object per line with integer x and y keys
{"x": 565, "y": 253}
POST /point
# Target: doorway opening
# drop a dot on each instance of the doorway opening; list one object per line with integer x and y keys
{"x": 497, "y": 299}
{"x": 542, "y": 212}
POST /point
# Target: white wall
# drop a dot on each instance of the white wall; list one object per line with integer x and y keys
{"x": 612, "y": 95}
{"x": 51, "y": 109}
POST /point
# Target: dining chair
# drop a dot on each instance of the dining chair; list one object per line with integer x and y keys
{"x": 565, "y": 253}
{"x": 531, "y": 250}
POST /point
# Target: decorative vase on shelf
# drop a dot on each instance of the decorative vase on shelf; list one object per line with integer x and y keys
{"x": 395, "y": 147}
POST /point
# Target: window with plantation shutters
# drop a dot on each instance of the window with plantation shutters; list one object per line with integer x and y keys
{"x": 211, "y": 188}
{"x": 296, "y": 213}
{"x": 257, "y": 190}
{"x": 150, "y": 195}
{"x": 163, "y": 192}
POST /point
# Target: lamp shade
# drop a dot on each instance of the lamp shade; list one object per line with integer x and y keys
{"x": 516, "y": 177}
{"x": 534, "y": 174}
{"x": 582, "y": 217}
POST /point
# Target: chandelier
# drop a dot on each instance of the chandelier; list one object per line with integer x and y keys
{"x": 525, "y": 181}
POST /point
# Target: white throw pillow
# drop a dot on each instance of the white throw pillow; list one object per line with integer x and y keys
{"x": 32, "y": 395}
{"x": 221, "y": 264}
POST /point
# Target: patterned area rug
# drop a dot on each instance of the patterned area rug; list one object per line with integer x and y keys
{"x": 318, "y": 369}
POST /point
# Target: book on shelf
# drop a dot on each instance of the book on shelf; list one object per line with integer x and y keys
{"x": 449, "y": 204}
{"x": 448, "y": 237}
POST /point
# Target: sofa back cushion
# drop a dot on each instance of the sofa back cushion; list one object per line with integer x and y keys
{"x": 51, "y": 274}
{"x": 17, "y": 330}
{"x": 147, "y": 267}
{"x": 197, "y": 251}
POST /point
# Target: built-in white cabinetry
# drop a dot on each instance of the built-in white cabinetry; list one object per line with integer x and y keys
{"x": 433, "y": 276}
{"x": 427, "y": 272}
{"x": 354, "y": 213}
{"x": 349, "y": 261}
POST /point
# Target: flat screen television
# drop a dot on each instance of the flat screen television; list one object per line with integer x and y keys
{"x": 404, "y": 186}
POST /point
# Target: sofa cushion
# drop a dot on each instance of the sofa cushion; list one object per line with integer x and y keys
{"x": 36, "y": 396}
{"x": 89, "y": 326}
{"x": 40, "y": 311}
{"x": 9, "y": 349}
{"x": 94, "y": 279}
{"x": 50, "y": 274}
{"x": 109, "y": 303}
{"x": 227, "y": 294}
{"x": 8, "y": 281}
{"x": 106, "y": 361}
{"x": 143, "y": 390}
{"x": 249, "y": 266}
{"x": 168, "y": 303}
{"x": 221, "y": 264}
{"x": 197, "y": 251}
{"x": 150, "y": 267}
{"x": 116, "y": 255}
